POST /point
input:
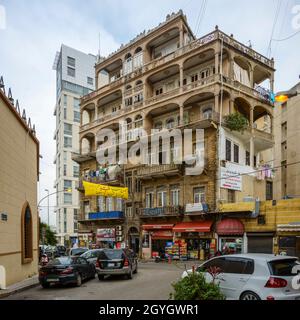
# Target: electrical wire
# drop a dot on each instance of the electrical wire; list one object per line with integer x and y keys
{"x": 269, "y": 51}
{"x": 287, "y": 38}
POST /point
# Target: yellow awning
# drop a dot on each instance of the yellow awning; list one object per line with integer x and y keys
{"x": 93, "y": 189}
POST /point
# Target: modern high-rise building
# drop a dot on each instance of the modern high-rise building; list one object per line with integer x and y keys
{"x": 74, "y": 79}
{"x": 168, "y": 79}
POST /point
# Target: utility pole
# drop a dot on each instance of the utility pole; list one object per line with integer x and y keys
{"x": 48, "y": 207}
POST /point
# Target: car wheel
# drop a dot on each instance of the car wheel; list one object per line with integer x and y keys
{"x": 250, "y": 296}
{"x": 78, "y": 280}
{"x": 100, "y": 277}
{"x": 45, "y": 285}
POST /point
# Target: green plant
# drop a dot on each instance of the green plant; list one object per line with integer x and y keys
{"x": 50, "y": 238}
{"x": 194, "y": 287}
{"x": 236, "y": 122}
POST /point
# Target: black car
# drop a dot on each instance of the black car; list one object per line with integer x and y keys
{"x": 62, "y": 250}
{"x": 116, "y": 262}
{"x": 66, "y": 270}
{"x": 91, "y": 255}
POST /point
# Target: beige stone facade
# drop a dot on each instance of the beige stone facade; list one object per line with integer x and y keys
{"x": 286, "y": 150}
{"x": 19, "y": 168}
{"x": 166, "y": 79}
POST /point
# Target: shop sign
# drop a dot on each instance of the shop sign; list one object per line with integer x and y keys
{"x": 231, "y": 179}
{"x": 106, "y": 234}
{"x": 194, "y": 207}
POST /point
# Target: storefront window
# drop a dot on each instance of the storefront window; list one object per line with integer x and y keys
{"x": 231, "y": 245}
{"x": 145, "y": 242}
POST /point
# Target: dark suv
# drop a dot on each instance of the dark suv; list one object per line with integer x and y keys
{"x": 116, "y": 262}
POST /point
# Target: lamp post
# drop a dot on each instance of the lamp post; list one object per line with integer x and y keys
{"x": 48, "y": 206}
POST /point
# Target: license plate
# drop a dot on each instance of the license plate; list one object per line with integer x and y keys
{"x": 53, "y": 280}
{"x": 110, "y": 265}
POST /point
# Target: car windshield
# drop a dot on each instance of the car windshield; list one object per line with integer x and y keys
{"x": 284, "y": 267}
{"x": 61, "y": 261}
{"x": 78, "y": 251}
{"x": 110, "y": 254}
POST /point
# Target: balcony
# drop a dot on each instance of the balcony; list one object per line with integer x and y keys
{"x": 159, "y": 171}
{"x": 111, "y": 215}
{"x": 203, "y": 120}
{"x": 80, "y": 158}
{"x": 173, "y": 211}
{"x": 100, "y": 180}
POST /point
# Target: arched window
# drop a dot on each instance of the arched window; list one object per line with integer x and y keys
{"x": 170, "y": 123}
{"x": 138, "y": 121}
{"x": 207, "y": 113}
{"x": 138, "y": 58}
{"x": 26, "y": 234}
{"x": 128, "y": 64}
{"x": 158, "y": 125}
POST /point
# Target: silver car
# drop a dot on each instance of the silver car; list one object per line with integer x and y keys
{"x": 254, "y": 276}
{"x": 92, "y": 255}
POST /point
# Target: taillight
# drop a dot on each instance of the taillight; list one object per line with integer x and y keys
{"x": 42, "y": 273}
{"x": 97, "y": 264}
{"x": 276, "y": 283}
{"x": 126, "y": 262}
{"x": 69, "y": 270}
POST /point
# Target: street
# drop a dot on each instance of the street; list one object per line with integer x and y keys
{"x": 152, "y": 282}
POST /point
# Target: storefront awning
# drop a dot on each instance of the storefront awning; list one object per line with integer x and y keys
{"x": 291, "y": 227}
{"x": 158, "y": 226}
{"x": 162, "y": 235}
{"x": 230, "y": 227}
{"x": 202, "y": 226}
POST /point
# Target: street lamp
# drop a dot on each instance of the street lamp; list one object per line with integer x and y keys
{"x": 48, "y": 206}
{"x": 284, "y": 96}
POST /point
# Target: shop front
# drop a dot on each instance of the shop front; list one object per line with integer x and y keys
{"x": 155, "y": 239}
{"x": 106, "y": 238}
{"x": 260, "y": 242}
{"x": 231, "y": 236}
{"x": 288, "y": 239}
{"x": 195, "y": 240}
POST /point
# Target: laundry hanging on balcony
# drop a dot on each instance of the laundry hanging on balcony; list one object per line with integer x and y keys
{"x": 93, "y": 189}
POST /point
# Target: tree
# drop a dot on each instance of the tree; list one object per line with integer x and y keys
{"x": 50, "y": 238}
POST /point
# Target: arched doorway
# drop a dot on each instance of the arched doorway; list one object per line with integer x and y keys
{"x": 134, "y": 239}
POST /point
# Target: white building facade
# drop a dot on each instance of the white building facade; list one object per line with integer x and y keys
{"x": 74, "y": 78}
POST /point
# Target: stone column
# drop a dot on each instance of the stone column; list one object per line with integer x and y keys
{"x": 181, "y": 37}
{"x": 96, "y": 113}
{"x": 217, "y": 62}
{"x": 217, "y": 105}
{"x": 181, "y": 111}
{"x": 272, "y": 83}
{"x": 251, "y": 77}
{"x": 181, "y": 77}
{"x": 252, "y": 151}
{"x": 251, "y": 118}
{"x": 231, "y": 106}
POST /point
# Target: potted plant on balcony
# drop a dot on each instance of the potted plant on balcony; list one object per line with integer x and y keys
{"x": 236, "y": 122}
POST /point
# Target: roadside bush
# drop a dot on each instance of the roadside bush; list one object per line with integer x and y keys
{"x": 194, "y": 287}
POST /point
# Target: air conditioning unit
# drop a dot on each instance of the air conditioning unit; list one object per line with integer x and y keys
{"x": 119, "y": 239}
{"x": 248, "y": 199}
{"x": 119, "y": 228}
{"x": 119, "y": 233}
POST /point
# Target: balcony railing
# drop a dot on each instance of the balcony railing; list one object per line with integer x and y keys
{"x": 158, "y": 170}
{"x": 102, "y": 179}
{"x": 161, "y": 212}
{"x": 196, "y": 44}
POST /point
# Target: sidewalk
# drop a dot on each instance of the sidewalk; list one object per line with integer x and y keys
{"x": 20, "y": 286}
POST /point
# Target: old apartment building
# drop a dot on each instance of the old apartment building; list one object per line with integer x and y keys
{"x": 19, "y": 172}
{"x": 164, "y": 79}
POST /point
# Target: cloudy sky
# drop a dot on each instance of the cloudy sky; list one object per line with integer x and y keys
{"x": 35, "y": 29}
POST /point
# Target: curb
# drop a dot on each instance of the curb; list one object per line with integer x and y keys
{"x": 6, "y": 293}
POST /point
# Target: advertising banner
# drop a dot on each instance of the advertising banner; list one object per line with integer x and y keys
{"x": 93, "y": 189}
{"x": 106, "y": 234}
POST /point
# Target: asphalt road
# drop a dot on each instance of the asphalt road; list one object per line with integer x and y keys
{"x": 153, "y": 281}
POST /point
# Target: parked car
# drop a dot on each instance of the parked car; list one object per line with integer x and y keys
{"x": 77, "y": 251}
{"x": 116, "y": 262}
{"x": 62, "y": 250}
{"x": 66, "y": 270}
{"x": 253, "y": 276}
{"x": 92, "y": 255}
{"x": 51, "y": 252}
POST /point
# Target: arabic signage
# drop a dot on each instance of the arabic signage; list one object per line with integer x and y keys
{"x": 231, "y": 179}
